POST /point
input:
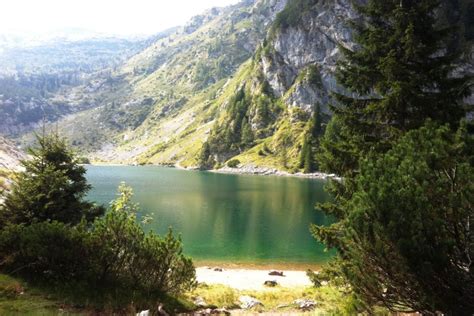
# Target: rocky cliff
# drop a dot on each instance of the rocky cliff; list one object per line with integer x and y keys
{"x": 244, "y": 81}
{"x": 312, "y": 42}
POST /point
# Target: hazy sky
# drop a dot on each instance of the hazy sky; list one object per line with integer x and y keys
{"x": 125, "y": 17}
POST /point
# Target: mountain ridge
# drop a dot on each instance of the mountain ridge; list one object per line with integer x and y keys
{"x": 242, "y": 82}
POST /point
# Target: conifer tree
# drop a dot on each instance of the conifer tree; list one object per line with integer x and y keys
{"x": 52, "y": 187}
{"x": 399, "y": 76}
{"x": 308, "y": 160}
{"x": 311, "y": 141}
{"x": 316, "y": 122}
{"x": 247, "y": 134}
{"x": 406, "y": 242}
{"x": 206, "y": 160}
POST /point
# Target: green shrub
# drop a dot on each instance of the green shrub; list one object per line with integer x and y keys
{"x": 292, "y": 13}
{"x": 83, "y": 161}
{"x": 51, "y": 251}
{"x": 127, "y": 255}
{"x": 113, "y": 255}
{"x": 234, "y": 163}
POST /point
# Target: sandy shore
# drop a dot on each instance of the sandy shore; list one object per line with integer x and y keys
{"x": 249, "y": 279}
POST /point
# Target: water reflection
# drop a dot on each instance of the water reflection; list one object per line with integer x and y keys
{"x": 224, "y": 217}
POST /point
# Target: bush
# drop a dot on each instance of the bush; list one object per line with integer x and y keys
{"x": 126, "y": 255}
{"x": 409, "y": 224}
{"x": 83, "y": 161}
{"x": 234, "y": 163}
{"x": 113, "y": 255}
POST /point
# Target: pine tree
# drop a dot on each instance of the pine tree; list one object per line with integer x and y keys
{"x": 406, "y": 242}
{"x": 304, "y": 149}
{"x": 316, "y": 122}
{"x": 311, "y": 141}
{"x": 398, "y": 76}
{"x": 309, "y": 164}
{"x": 206, "y": 160}
{"x": 247, "y": 134}
{"x": 52, "y": 187}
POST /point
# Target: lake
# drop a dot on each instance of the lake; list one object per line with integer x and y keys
{"x": 239, "y": 219}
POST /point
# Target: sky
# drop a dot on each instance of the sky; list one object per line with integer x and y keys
{"x": 118, "y": 17}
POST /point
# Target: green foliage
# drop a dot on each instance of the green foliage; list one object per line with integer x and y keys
{"x": 126, "y": 255}
{"x": 307, "y": 156}
{"x": 313, "y": 76}
{"x": 236, "y": 133}
{"x": 83, "y": 160}
{"x": 292, "y": 13}
{"x": 263, "y": 109}
{"x": 52, "y": 187}
{"x": 400, "y": 75}
{"x": 206, "y": 160}
{"x": 234, "y": 163}
{"x": 50, "y": 250}
{"x": 51, "y": 236}
{"x": 113, "y": 256}
{"x": 247, "y": 134}
{"x": 248, "y": 118}
{"x": 406, "y": 232}
{"x": 401, "y": 210}
{"x": 311, "y": 142}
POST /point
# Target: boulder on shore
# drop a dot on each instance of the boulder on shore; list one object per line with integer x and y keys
{"x": 200, "y": 302}
{"x": 276, "y": 273}
{"x": 305, "y": 304}
{"x": 270, "y": 283}
{"x": 248, "y": 302}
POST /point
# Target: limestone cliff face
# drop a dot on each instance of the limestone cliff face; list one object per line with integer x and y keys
{"x": 313, "y": 42}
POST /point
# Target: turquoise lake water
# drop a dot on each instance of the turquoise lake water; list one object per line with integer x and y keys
{"x": 224, "y": 218}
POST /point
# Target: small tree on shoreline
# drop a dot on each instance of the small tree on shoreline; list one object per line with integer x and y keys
{"x": 51, "y": 188}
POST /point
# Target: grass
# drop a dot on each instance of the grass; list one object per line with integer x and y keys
{"x": 330, "y": 300}
{"x": 17, "y": 298}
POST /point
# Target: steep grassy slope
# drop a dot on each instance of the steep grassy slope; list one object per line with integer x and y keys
{"x": 180, "y": 89}
{"x": 245, "y": 80}
{"x": 168, "y": 90}
{"x": 291, "y": 75}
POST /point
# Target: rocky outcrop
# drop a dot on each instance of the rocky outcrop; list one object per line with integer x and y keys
{"x": 311, "y": 44}
{"x": 314, "y": 42}
{"x": 10, "y": 155}
{"x": 248, "y": 302}
{"x": 265, "y": 171}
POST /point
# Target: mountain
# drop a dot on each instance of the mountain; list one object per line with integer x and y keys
{"x": 183, "y": 88}
{"x": 166, "y": 95}
{"x": 248, "y": 83}
{"x": 34, "y": 77}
